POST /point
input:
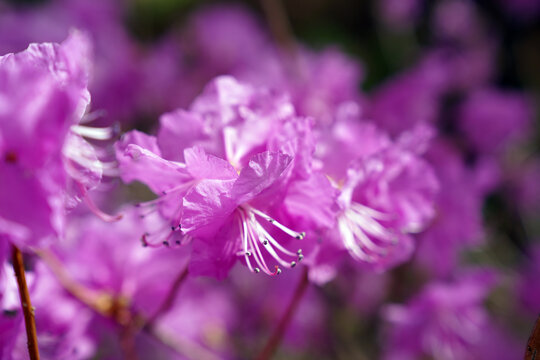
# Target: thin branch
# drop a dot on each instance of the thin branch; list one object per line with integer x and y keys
{"x": 99, "y": 302}
{"x": 281, "y": 29}
{"x": 533, "y": 345}
{"x": 127, "y": 342}
{"x": 130, "y": 321}
{"x": 169, "y": 299}
{"x": 281, "y": 328}
{"x": 28, "y": 310}
{"x": 279, "y": 24}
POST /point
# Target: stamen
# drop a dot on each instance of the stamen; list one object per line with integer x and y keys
{"x": 259, "y": 259}
{"x": 294, "y": 234}
{"x": 243, "y": 235}
{"x": 252, "y": 233}
{"x": 363, "y": 235}
{"x": 93, "y": 133}
{"x": 110, "y": 168}
{"x": 162, "y": 237}
{"x": 145, "y": 243}
{"x": 98, "y": 212}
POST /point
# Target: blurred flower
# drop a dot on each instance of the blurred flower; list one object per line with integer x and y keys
{"x": 410, "y": 98}
{"x": 386, "y": 196}
{"x": 458, "y": 220}
{"x": 46, "y": 164}
{"x": 206, "y": 315}
{"x": 447, "y": 321}
{"x": 457, "y": 20}
{"x": 492, "y": 119}
{"x": 115, "y": 76}
{"x": 400, "y": 14}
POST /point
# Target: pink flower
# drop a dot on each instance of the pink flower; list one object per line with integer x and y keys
{"x": 45, "y": 163}
{"x": 267, "y": 175}
{"x": 447, "y": 320}
{"x": 387, "y": 195}
{"x": 492, "y": 119}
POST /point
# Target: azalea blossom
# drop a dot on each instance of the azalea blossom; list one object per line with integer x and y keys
{"x": 46, "y": 164}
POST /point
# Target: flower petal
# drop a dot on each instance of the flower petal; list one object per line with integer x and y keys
{"x": 262, "y": 171}
{"x": 203, "y": 166}
{"x": 142, "y": 164}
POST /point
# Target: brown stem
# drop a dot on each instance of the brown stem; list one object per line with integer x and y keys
{"x": 28, "y": 311}
{"x": 533, "y": 345}
{"x": 169, "y": 299}
{"x": 279, "y": 331}
{"x": 277, "y": 18}
{"x": 280, "y": 26}
{"x": 127, "y": 342}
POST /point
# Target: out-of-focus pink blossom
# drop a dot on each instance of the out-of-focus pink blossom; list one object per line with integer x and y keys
{"x": 43, "y": 155}
{"x": 410, "y": 98}
{"x": 400, "y": 14}
{"x": 447, "y": 321}
{"x": 492, "y": 119}
{"x": 458, "y": 221}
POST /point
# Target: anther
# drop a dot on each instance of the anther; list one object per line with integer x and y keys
{"x": 278, "y": 271}
{"x": 166, "y": 243}
{"x": 300, "y": 257}
{"x": 257, "y": 270}
{"x": 248, "y": 253}
{"x": 300, "y": 236}
{"x": 293, "y": 264}
{"x": 265, "y": 242}
{"x": 178, "y": 242}
{"x": 299, "y": 252}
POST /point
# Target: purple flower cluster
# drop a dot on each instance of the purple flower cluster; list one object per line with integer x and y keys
{"x": 381, "y": 205}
